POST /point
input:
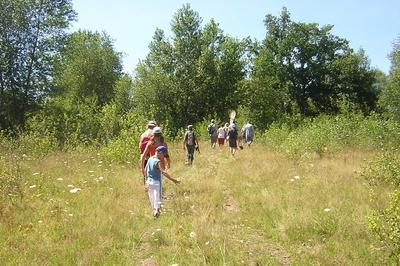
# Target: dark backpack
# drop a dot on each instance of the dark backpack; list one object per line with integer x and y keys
{"x": 232, "y": 133}
{"x": 211, "y": 129}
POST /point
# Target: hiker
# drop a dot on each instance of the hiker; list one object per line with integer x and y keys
{"x": 212, "y": 132}
{"x": 248, "y": 134}
{"x": 190, "y": 143}
{"x": 155, "y": 141}
{"x": 232, "y": 138}
{"x": 145, "y": 137}
{"x": 153, "y": 177}
{"x": 221, "y": 135}
{"x": 226, "y": 128}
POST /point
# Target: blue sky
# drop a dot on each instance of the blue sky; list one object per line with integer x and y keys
{"x": 372, "y": 25}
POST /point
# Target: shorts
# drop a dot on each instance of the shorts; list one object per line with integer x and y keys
{"x": 213, "y": 138}
{"x": 221, "y": 141}
{"x": 232, "y": 143}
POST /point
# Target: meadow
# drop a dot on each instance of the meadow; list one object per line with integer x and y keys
{"x": 260, "y": 207}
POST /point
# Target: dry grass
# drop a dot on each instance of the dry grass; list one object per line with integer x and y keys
{"x": 247, "y": 210}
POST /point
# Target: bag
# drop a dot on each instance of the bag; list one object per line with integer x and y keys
{"x": 211, "y": 129}
{"x": 143, "y": 142}
{"x": 232, "y": 134}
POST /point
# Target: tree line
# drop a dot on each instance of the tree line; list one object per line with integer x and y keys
{"x": 72, "y": 86}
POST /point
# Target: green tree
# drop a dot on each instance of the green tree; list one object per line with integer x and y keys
{"x": 87, "y": 67}
{"x": 303, "y": 68}
{"x": 389, "y": 99}
{"x": 31, "y": 33}
{"x": 193, "y": 76}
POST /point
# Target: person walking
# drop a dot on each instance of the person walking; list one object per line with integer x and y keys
{"x": 190, "y": 144}
{"x": 153, "y": 178}
{"x": 248, "y": 134}
{"x": 232, "y": 138}
{"x": 226, "y": 128}
{"x": 221, "y": 135}
{"x": 156, "y": 140}
{"x": 146, "y": 135}
{"x": 212, "y": 132}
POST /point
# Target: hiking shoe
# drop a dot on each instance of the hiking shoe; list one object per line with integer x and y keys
{"x": 156, "y": 213}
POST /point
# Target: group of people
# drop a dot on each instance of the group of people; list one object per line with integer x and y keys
{"x": 155, "y": 160}
{"x": 230, "y": 134}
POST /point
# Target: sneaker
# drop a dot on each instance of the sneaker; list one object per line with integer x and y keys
{"x": 156, "y": 213}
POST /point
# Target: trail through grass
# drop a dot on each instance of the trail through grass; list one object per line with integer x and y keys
{"x": 257, "y": 208}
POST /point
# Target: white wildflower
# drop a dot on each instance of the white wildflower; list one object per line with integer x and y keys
{"x": 74, "y": 190}
{"x": 327, "y": 210}
{"x": 33, "y": 186}
{"x": 192, "y": 234}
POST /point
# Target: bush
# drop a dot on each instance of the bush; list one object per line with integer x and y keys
{"x": 331, "y": 133}
{"x": 383, "y": 174}
{"x": 386, "y": 225}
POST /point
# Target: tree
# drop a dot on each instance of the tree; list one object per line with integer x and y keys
{"x": 31, "y": 33}
{"x": 301, "y": 67}
{"x": 87, "y": 67}
{"x": 193, "y": 76}
{"x": 389, "y": 99}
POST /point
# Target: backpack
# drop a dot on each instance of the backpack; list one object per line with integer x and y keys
{"x": 190, "y": 138}
{"x": 232, "y": 133}
{"x": 211, "y": 129}
{"x": 144, "y": 141}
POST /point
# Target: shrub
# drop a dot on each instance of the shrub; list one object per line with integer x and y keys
{"x": 386, "y": 225}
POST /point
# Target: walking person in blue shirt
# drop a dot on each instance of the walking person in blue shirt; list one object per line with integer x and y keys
{"x": 153, "y": 174}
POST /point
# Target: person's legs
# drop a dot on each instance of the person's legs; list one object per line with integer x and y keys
{"x": 190, "y": 156}
{"x": 154, "y": 192}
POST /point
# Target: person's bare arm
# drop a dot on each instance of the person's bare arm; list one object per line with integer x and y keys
{"x": 164, "y": 173}
{"x": 143, "y": 157}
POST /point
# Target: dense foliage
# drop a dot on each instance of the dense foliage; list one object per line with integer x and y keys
{"x": 31, "y": 34}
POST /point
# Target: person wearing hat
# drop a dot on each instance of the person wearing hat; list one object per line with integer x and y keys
{"x": 190, "y": 143}
{"x": 146, "y": 135}
{"x": 156, "y": 140}
{"x": 153, "y": 176}
{"x": 212, "y": 132}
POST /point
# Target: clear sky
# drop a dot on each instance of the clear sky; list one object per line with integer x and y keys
{"x": 370, "y": 24}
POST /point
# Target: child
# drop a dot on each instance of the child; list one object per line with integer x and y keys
{"x": 154, "y": 171}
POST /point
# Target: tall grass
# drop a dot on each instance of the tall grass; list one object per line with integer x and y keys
{"x": 242, "y": 210}
{"x": 302, "y": 197}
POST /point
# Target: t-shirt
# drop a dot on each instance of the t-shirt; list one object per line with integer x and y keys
{"x": 190, "y": 138}
{"x": 221, "y": 133}
{"x": 152, "y": 171}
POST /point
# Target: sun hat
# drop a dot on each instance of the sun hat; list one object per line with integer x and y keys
{"x": 190, "y": 126}
{"x": 162, "y": 149}
{"x": 151, "y": 123}
{"x": 157, "y": 130}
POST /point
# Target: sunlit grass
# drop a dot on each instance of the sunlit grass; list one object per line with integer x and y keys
{"x": 255, "y": 208}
